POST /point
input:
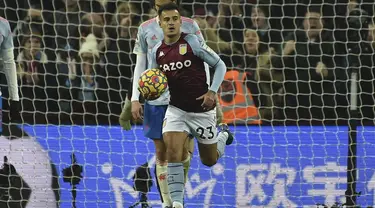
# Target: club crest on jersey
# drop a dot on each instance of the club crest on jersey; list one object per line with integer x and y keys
{"x": 183, "y": 49}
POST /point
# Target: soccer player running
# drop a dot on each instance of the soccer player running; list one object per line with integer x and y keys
{"x": 191, "y": 110}
{"x": 9, "y": 69}
{"x": 149, "y": 34}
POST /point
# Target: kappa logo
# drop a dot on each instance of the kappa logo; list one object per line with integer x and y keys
{"x": 154, "y": 37}
{"x": 183, "y": 49}
{"x": 161, "y": 54}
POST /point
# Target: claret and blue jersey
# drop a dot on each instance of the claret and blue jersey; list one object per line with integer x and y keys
{"x": 150, "y": 34}
{"x": 183, "y": 64}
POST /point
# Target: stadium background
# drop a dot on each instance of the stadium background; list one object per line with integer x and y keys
{"x": 290, "y": 147}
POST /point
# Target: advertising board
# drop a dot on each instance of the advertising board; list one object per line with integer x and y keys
{"x": 265, "y": 167}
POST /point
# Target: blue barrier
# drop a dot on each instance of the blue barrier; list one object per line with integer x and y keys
{"x": 266, "y": 166}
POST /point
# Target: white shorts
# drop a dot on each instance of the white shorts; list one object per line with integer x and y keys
{"x": 201, "y": 125}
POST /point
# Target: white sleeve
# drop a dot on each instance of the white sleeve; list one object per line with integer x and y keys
{"x": 197, "y": 31}
{"x": 140, "y": 67}
{"x": 9, "y": 67}
{"x": 10, "y": 73}
{"x": 220, "y": 70}
{"x": 140, "y": 46}
{"x": 204, "y": 52}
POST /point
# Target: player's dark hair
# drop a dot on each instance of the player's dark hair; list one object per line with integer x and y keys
{"x": 152, "y": 3}
{"x": 168, "y": 7}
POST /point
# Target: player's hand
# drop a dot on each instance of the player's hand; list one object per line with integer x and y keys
{"x": 209, "y": 100}
{"x": 137, "y": 110}
{"x": 126, "y": 115}
{"x": 14, "y": 111}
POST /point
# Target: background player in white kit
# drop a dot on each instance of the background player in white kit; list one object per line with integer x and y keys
{"x": 149, "y": 34}
{"x": 9, "y": 69}
{"x": 39, "y": 186}
{"x": 181, "y": 57}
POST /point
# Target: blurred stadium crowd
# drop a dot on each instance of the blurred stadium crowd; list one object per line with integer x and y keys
{"x": 74, "y": 57}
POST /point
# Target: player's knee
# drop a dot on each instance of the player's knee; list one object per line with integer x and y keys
{"x": 160, "y": 150}
{"x": 209, "y": 161}
{"x": 161, "y": 154}
{"x": 174, "y": 155}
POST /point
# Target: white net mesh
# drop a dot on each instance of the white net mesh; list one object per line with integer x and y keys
{"x": 287, "y": 92}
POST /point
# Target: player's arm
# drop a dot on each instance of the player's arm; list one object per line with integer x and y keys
{"x": 9, "y": 67}
{"x": 140, "y": 66}
{"x": 204, "y": 52}
{"x": 197, "y": 31}
{"x": 210, "y": 57}
{"x": 140, "y": 49}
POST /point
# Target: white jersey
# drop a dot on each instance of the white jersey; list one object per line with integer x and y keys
{"x": 7, "y": 58}
{"x": 149, "y": 34}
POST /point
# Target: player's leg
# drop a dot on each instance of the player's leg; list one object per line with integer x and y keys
{"x": 211, "y": 144}
{"x": 153, "y": 122}
{"x": 161, "y": 173}
{"x": 211, "y": 152}
{"x": 188, "y": 152}
{"x": 175, "y": 135}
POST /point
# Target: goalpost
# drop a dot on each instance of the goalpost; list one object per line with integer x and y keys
{"x": 303, "y": 119}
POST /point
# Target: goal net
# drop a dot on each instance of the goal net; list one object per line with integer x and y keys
{"x": 298, "y": 93}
